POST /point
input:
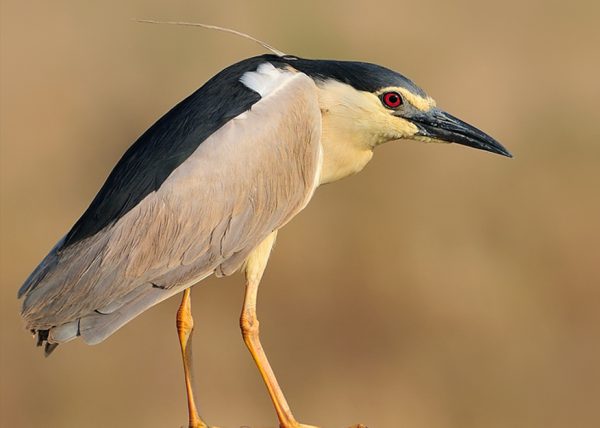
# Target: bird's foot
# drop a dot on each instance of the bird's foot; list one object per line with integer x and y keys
{"x": 199, "y": 424}
{"x": 312, "y": 426}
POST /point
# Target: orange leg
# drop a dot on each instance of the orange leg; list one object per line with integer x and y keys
{"x": 249, "y": 324}
{"x": 250, "y": 332}
{"x": 255, "y": 266}
{"x": 185, "y": 327}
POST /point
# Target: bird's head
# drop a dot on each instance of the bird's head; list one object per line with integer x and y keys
{"x": 366, "y": 104}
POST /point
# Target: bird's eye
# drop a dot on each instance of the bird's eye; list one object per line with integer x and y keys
{"x": 392, "y": 99}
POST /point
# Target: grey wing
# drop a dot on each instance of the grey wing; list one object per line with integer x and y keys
{"x": 245, "y": 181}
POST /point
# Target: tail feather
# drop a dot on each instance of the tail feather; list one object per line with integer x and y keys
{"x": 42, "y": 340}
{"x": 98, "y": 325}
{"x": 55, "y": 317}
{"x": 49, "y": 348}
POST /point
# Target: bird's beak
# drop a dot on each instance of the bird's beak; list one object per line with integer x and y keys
{"x": 439, "y": 125}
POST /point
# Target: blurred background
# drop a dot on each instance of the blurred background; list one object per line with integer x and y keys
{"x": 441, "y": 287}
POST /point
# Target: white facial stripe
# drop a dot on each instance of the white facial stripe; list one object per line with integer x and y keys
{"x": 265, "y": 79}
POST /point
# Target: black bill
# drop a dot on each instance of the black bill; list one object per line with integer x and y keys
{"x": 439, "y": 125}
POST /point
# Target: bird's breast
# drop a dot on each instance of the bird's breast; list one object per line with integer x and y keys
{"x": 342, "y": 156}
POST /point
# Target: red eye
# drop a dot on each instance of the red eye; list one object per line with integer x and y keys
{"x": 392, "y": 99}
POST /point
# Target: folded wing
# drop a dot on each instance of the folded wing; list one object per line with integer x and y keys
{"x": 244, "y": 181}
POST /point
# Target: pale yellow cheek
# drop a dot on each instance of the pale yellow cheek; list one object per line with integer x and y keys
{"x": 389, "y": 127}
{"x": 404, "y": 128}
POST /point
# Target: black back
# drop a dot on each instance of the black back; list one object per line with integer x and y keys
{"x": 176, "y": 135}
{"x": 165, "y": 146}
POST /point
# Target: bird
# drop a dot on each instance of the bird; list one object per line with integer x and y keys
{"x": 206, "y": 189}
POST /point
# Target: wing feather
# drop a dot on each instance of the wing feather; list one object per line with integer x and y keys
{"x": 246, "y": 180}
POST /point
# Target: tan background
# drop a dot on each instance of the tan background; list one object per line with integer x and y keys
{"x": 442, "y": 287}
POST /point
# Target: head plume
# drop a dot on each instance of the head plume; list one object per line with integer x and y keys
{"x": 214, "y": 27}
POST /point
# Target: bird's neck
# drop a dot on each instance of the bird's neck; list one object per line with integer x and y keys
{"x": 344, "y": 153}
{"x": 347, "y": 138}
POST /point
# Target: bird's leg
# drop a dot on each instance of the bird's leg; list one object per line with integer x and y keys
{"x": 255, "y": 266}
{"x": 185, "y": 327}
{"x": 249, "y": 325}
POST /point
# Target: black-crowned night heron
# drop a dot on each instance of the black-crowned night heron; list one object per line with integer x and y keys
{"x": 206, "y": 189}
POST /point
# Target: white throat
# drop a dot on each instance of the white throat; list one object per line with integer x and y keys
{"x": 347, "y": 138}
